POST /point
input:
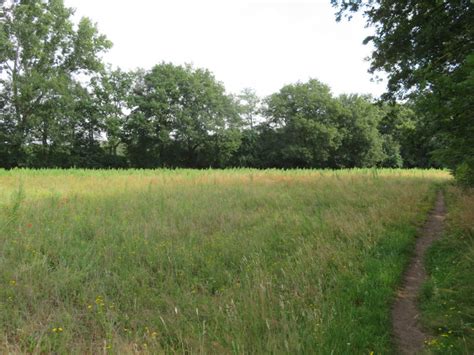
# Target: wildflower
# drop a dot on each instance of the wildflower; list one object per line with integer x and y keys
{"x": 431, "y": 342}
{"x": 29, "y": 225}
{"x": 13, "y": 282}
{"x": 89, "y": 307}
{"x": 99, "y": 301}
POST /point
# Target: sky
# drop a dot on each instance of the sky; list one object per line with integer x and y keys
{"x": 261, "y": 44}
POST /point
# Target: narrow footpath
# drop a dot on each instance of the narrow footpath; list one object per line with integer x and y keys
{"x": 409, "y": 336}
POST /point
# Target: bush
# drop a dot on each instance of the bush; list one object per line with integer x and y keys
{"x": 464, "y": 173}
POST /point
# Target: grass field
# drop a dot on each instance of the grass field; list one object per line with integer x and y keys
{"x": 240, "y": 261}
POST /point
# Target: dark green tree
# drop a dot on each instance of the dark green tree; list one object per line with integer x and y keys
{"x": 405, "y": 126}
{"x": 304, "y": 117}
{"x": 362, "y": 144}
{"x": 427, "y": 49}
{"x": 42, "y": 53}
{"x": 182, "y": 117}
{"x": 112, "y": 92}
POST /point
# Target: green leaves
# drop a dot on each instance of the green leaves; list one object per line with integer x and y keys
{"x": 312, "y": 129}
{"x": 41, "y": 54}
{"x": 427, "y": 48}
{"x": 60, "y": 107}
{"x": 87, "y": 45}
{"x": 183, "y": 117}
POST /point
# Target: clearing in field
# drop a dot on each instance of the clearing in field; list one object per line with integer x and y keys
{"x": 205, "y": 261}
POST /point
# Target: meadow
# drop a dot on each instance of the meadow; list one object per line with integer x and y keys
{"x": 231, "y": 261}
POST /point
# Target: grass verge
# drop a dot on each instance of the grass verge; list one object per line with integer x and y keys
{"x": 447, "y": 300}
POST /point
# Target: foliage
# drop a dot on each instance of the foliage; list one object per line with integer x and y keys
{"x": 41, "y": 55}
{"x": 362, "y": 145}
{"x": 416, "y": 42}
{"x": 304, "y": 116}
{"x": 181, "y": 117}
{"x": 465, "y": 173}
{"x": 248, "y": 105}
{"x": 112, "y": 92}
{"x": 307, "y": 127}
{"x": 408, "y": 135}
{"x": 427, "y": 47}
{"x": 247, "y": 155}
{"x": 60, "y": 107}
{"x": 451, "y": 107}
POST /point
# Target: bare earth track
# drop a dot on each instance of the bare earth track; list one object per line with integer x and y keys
{"x": 408, "y": 334}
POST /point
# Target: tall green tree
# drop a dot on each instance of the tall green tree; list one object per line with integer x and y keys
{"x": 362, "y": 143}
{"x": 248, "y": 105}
{"x": 42, "y": 55}
{"x": 248, "y": 102}
{"x": 427, "y": 49}
{"x": 112, "y": 93}
{"x": 304, "y": 116}
{"x": 182, "y": 117}
{"x": 407, "y": 132}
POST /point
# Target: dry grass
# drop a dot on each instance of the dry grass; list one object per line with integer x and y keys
{"x": 205, "y": 261}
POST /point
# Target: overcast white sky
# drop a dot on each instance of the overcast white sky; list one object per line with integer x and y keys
{"x": 262, "y": 44}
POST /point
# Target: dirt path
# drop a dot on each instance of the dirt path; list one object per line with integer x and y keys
{"x": 408, "y": 334}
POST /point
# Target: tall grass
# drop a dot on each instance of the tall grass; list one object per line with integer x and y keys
{"x": 448, "y": 297}
{"x": 205, "y": 261}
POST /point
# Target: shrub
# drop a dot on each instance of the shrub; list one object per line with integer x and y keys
{"x": 464, "y": 173}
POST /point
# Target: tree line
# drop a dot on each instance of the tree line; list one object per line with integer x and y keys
{"x": 61, "y": 106}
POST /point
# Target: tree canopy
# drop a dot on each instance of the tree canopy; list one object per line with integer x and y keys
{"x": 181, "y": 117}
{"x": 61, "y": 106}
{"x": 427, "y": 49}
{"x": 42, "y": 55}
